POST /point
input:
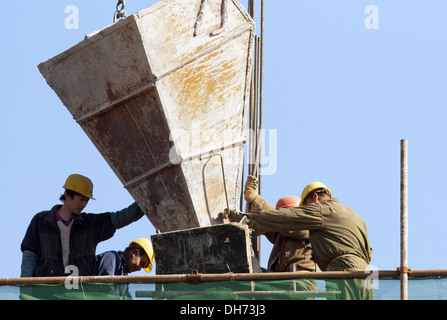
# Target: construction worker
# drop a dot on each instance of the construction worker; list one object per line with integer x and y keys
{"x": 291, "y": 250}
{"x": 139, "y": 254}
{"x": 338, "y": 235}
{"x": 65, "y": 236}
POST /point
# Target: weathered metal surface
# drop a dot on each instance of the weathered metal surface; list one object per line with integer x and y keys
{"x": 216, "y": 249}
{"x": 159, "y": 92}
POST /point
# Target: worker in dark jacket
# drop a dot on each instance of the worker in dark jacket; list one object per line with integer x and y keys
{"x": 139, "y": 254}
{"x": 65, "y": 236}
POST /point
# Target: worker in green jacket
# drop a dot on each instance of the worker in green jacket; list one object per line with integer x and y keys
{"x": 338, "y": 235}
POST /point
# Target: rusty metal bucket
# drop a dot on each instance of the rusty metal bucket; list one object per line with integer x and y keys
{"x": 158, "y": 93}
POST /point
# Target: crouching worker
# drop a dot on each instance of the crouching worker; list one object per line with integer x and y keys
{"x": 139, "y": 254}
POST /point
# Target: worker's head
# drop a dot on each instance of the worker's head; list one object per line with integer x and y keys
{"x": 139, "y": 254}
{"x": 288, "y": 202}
{"x": 78, "y": 191}
{"x": 315, "y": 192}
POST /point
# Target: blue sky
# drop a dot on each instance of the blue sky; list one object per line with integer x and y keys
{"x": 339, "y": 96}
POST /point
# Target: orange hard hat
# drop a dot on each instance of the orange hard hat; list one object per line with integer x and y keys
{"x": 288, "y": 202}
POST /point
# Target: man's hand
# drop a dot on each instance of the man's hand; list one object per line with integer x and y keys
{"x": 232, "y": 215}
{"x": 251, "y": 189}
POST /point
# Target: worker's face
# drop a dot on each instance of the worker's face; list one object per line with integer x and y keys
{"x": 77, "y": 204}
{"x": 315, "y": 197}
{"x": 311, "y": 199}
{"x": 136, "y": 262}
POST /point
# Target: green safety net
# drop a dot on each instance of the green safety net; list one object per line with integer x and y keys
{"x": 433, "y": 288}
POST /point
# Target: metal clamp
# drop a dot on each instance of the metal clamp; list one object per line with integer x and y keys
{"x": 120, "y": 13}
{"x": 195, "y": 277}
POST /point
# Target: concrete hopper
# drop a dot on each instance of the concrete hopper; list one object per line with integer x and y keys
{"x": 163, "y": 96}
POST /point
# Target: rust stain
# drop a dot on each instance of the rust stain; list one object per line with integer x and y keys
{"x": 204, "y": 85}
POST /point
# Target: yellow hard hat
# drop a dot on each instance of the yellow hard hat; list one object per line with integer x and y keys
{"x": 146, "y": 244}
{"x": 311, "y": 187}
{"x": 80, "y": 184}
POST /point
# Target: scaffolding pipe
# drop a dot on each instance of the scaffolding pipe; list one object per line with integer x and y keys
{"x": 195, "y": 278}
{"x": 404, "y": 221}
{"x": 261, "y": 94}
